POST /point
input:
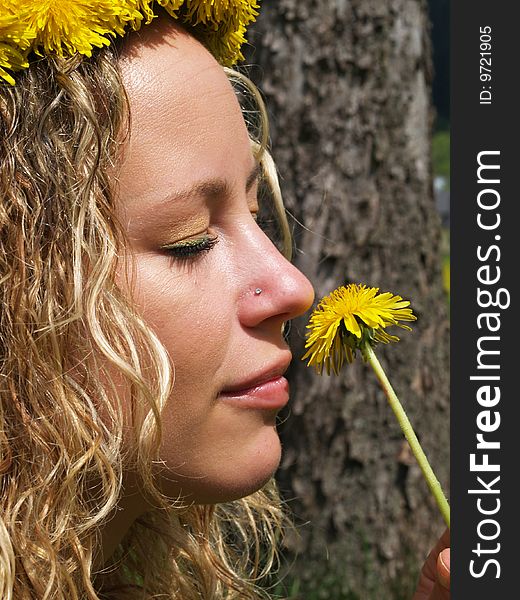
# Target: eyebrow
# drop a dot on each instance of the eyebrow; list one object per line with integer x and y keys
{"x": 214, "y": 188}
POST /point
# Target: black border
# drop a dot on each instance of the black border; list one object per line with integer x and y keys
{"x": 474, "y": 128}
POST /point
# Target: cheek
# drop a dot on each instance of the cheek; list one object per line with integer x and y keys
{"x": 194, "y": 331}
{"x": 195, "y": 326}
{"x": 193, "y": 322}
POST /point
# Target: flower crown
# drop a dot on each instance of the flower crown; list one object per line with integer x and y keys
{"x": 67, "y": 27}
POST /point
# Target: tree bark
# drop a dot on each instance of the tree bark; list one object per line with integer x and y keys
{"x": 348, "y": 88}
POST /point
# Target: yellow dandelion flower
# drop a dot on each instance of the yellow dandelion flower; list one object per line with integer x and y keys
{"x": 12, "y": 59}
{"x": 221, "y": 23}
{"x": 15, "y": 41}
{"x": 13, "y": 31}
{"x": 226, "y": 45}
{"x": 171, "y": 6}
{"x": 141, "y": 8}
{"x": 347, "y": 318}
{"x": 216, "y": 12}
{"x": 65, "y": 27}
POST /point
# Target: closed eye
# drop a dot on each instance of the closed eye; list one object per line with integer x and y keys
{"x": 191, "y": 249}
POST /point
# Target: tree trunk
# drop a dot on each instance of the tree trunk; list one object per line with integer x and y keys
{"x": 348, "y": 85}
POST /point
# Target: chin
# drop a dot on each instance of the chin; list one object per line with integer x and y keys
{"x": 234, "y": 475}
{"x": 248, "y": 473}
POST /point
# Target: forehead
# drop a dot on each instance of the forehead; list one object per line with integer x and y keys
{"x": 186, "y": 122}
{"x": 164, "y": 59}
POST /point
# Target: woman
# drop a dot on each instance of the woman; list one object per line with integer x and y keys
{"x": 141, "y": 321}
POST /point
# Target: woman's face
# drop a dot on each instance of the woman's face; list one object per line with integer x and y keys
{"x": 187, "y": 199}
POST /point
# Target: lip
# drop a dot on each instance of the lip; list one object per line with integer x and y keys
{"x": 267, "y": 390}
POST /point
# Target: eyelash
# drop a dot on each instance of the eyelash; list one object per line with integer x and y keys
{"x": 192, "y": 249}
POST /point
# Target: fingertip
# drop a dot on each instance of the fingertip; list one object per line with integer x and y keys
{"x": 443, "y": 568}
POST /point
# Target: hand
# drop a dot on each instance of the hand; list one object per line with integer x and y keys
{"x": 434, "y": 581}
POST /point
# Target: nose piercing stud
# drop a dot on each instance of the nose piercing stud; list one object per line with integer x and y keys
{"x": 258, "y": 291}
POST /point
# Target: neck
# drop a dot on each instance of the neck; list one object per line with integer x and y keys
{"x": 129, "y": 508}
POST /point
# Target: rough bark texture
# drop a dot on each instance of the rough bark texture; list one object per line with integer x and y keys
{"x": 348, "y": 87}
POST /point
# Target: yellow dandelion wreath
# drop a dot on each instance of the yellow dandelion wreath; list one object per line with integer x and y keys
{"x": 68, "y": 27}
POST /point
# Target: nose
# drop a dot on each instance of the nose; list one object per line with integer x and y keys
{"x": 273, "y": 289}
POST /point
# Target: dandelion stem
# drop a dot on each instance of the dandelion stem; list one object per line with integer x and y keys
{"x": 409, "y": 434}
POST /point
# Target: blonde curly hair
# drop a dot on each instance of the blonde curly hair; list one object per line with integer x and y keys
{"x": 64, "y": 326}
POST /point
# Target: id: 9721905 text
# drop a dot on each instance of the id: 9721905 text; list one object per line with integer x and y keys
{"x": 485, "y": 65}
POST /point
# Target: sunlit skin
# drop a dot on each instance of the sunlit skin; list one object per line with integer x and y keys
{"x": 187, "y": 133}
{"x": 189, "y": 175}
